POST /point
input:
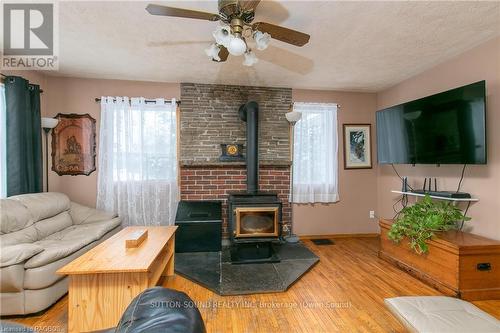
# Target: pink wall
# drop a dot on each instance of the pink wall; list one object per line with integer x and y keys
{"x": 357, "y": 188}
{"x": 482, "y": 181}
{"x": 74, "y": 95}
{"x": 349, "y": 215}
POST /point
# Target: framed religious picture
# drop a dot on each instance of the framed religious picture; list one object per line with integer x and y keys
{"x": 357, "y": 146}
{"x": 74, "y": 145}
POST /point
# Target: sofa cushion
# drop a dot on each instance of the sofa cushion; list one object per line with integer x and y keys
{"x": 82, "y": 214}
{"x": 55, "y": 250}
{"x": 44, "y": 276}
{"x": 26, "y": 235}
{"x": 441, "y": 314}
{"x": 14, "y": 216}
{"x": 51, "y": 225}
{"x": 15, "y": 254}
{"x": 92, "y": 231}
{"x": 69, "y": 240}
{"x": 43, "y": 205}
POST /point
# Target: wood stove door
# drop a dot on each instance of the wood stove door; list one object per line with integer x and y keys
{"x": 256, "y": 222}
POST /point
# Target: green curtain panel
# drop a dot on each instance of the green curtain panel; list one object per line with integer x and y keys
{"x": 24, "y": 136}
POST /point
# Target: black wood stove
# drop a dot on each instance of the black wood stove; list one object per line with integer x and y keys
{"x": 254, "y": 216}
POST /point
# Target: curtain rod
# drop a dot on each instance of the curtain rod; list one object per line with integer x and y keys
{"x": 338, "y": 105}
{"x": 4, "y": 76}
{"x": 97, "y": 99}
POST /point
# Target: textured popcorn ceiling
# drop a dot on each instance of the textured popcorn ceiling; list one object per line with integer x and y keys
{"x": 364, "y": 46}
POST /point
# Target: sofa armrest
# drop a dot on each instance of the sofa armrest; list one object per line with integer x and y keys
{"x": 15, "y": 254}
{"x": 82, "y": 215}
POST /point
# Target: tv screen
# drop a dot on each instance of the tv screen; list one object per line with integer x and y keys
{"x": 445, "y": 128}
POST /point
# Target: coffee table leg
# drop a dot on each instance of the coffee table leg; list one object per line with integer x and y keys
{"x": 169, "y": 269}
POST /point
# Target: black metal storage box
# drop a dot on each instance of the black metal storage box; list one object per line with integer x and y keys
{"x": 200, "y": 226}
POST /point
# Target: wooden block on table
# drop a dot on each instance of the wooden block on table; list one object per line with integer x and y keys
{"x": 136, "y": 238}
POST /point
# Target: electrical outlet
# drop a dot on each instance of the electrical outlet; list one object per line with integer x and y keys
{"x": 372, "y": 214}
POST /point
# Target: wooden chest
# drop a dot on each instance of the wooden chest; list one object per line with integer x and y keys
{"x": 458, "y": 263}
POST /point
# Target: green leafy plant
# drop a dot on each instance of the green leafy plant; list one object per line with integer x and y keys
{"x": 420, "y": 221}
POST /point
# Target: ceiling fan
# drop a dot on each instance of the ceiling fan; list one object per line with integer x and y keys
{"x": 235, "y": 28}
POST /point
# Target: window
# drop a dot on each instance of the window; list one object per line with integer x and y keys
{"x": 137, "y": 170}
{"x": 3, "y": 142}
{"x": 315, "y": 164}
{"x": 141, "y": 140}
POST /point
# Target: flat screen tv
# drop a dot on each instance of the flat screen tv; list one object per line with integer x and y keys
{"x": 445, "y": 128}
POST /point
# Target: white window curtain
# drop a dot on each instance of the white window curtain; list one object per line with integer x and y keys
{"x": 315, "y": 163}
{"x": 3, "y": 143}
{"x": 137, "y": 175}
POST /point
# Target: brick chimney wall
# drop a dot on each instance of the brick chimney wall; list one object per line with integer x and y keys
{"x": 209, "y": 117}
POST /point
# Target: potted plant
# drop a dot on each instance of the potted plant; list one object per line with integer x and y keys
{"x": 421, "y": 221}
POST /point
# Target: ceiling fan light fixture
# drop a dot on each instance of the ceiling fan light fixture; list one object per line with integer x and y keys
{"x": 262, "y": 40}
{"x": 213, "y": 52}
{"x": 222, "y": 35}
{"x": 250, "y": 59}
{"x": 237, "y": 46}
{"x": 235, "y": 17}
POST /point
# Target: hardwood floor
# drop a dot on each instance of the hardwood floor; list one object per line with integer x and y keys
{"x": 344, "y": 292}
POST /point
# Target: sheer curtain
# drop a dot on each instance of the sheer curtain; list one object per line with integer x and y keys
{"x": 137, "y": 174}
{"x": 315, "y": 163}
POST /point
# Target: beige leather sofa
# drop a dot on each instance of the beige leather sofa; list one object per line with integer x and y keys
{"x": 40, "y": 233}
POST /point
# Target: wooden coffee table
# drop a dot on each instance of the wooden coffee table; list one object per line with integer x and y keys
{"x": 103, "y": 281}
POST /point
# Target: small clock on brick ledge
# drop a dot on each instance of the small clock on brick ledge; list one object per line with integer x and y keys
{"x": 231, "y": 152}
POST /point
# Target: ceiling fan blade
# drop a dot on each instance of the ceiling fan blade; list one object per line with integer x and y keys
{"x": 248, "y": 5}
{"x": 286, "y": 35}
{"x": 179, "y": 12}
{"x": 223, "y": 54}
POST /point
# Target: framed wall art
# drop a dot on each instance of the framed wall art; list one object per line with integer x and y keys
{"x": 74, "y": 145}
{"x": 357, "y": 146}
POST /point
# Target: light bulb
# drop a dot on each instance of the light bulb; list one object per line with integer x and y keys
{"x": 237, "y": 46}
{"x": 262, "y": 40}
{"x": 213, "y": 52}
{"x": 250, "y": 59}
{"x": 222, "y": 35}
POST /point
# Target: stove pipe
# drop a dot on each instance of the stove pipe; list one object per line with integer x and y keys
{"x": 249, "y": 113}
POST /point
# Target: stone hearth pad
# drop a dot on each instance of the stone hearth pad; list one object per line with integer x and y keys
{"x": 214, "y": 270}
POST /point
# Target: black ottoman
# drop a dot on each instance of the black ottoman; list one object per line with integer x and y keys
{"x": 162, "y": 310}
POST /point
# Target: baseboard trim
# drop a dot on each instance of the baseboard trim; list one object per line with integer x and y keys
{"x": 368, "y": 235}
